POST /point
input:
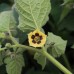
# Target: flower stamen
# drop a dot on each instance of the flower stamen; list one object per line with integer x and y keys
{"x": 33, "y": 41}
{"x": 36, "y": 34}
{"x": 32, "y": 36}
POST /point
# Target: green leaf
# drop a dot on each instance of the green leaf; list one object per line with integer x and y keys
{"x": 13, "y": 26}
{"x": 33, "y": 13}
{"x": 58, "y": 48}
{"x": 2, "y": 35}
{"x": 15, "y": 14}
{"x": 4, "y": 21}
{"x": 40, "y": 59}
{"x": 7, "y": 22}
{"x": 14, "y": 64}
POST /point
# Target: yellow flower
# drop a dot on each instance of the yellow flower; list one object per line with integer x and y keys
{"x": 36, "y": 38}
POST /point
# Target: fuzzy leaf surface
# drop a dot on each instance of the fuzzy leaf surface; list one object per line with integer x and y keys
{"x": 7, "y": 21}
{"x": 33, "y": 13}
{"x": 14, "y": 64}
{"x": 40, "y": 59}
{"x": 58, "y": 48}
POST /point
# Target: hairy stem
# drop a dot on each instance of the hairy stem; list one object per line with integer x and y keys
{"x": 66, "y": 62}
{"x": 55, "y": 62}
{"x": 43, "y": 52}
{"x": 26, "y": 47}
{"x": 12, "y": 38}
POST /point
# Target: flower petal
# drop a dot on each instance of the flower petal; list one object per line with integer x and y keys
{"x": 32, "y": 35}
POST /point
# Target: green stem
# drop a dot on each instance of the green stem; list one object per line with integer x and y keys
{"x": 2, "y": 49}
{"x": 26, "y": 47}
{"x": 47, "y": 55}
{"x": 12, "y": 38}
{"x": 43, "y": 52}
{"x": 66, "y": 62}
{"x": 55, "y": 62}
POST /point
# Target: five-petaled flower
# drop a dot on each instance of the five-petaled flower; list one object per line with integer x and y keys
{"x": 36, "y": 38}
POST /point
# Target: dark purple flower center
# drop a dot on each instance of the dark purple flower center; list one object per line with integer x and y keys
{"x": 36, "y": 38}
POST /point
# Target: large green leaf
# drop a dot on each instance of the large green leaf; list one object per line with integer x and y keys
{"x": 33, "y": 13}
{"x": 14, "y": 64}
{"x": 58, "y": 48}
{"x": 40, "y": 59}
{"x": 7, "y": 21}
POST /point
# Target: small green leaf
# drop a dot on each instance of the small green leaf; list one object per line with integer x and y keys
{"x": 40, "y": 59}
{"x": 58, "y": 48}
{"x": 33, "y": 13}
{"x": 14, "y": 64}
